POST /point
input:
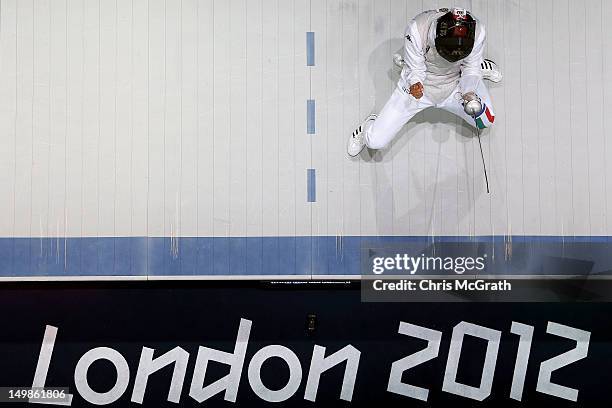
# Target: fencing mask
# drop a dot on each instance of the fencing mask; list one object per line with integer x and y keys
{"x": 455, "y": 35}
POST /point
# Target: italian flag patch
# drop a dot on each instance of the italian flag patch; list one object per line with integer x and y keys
{"x": 488, "y": 117}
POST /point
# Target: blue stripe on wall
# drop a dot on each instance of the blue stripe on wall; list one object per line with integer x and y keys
{"x": 310, "y": 49}
{"x": 325, "y": 255}
{"x": 310, "y": 117}
{"x": 312, "y": 186}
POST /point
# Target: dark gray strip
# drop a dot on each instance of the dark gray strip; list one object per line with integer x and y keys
{"x": 312, "y": 186}
{"x": 310, "y": 49}
{"x": 310, "y": 116}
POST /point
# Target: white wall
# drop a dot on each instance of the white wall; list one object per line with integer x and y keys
{"x": 188, "y": 118}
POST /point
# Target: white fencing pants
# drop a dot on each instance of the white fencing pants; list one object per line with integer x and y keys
{"x": 402, "y": 107}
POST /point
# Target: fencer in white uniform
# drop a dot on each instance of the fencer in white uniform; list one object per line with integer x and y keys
{"x": 443, "y": 67}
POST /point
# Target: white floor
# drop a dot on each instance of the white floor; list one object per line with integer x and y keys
{"x": 188, "y": 118}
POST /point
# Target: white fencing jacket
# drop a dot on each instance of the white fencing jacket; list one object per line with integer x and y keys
{"x": 423, "y": 63}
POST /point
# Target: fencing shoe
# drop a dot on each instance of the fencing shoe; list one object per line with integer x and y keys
{"x": 491, "y": 71}
{"x": 356, "y": 142}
